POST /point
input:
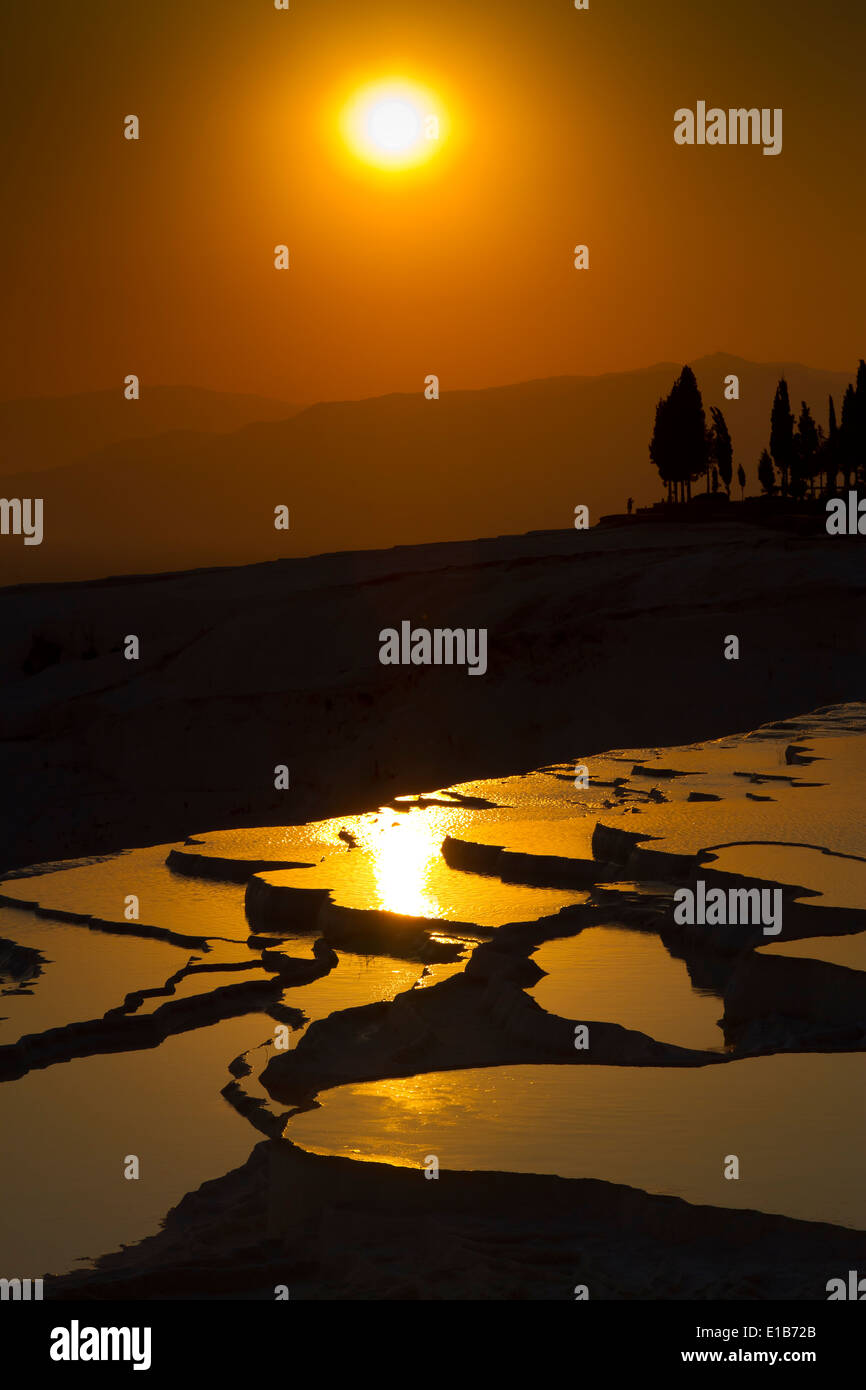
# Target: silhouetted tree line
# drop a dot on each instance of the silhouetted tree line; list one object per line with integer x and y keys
{"x": 801, "y": 457}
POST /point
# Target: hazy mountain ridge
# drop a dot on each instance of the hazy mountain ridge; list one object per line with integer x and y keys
{"x": 506, "y": 459}
{"x": 46, "y": 432}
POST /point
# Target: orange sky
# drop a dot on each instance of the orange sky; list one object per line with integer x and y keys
{"x": 156, "y": 257}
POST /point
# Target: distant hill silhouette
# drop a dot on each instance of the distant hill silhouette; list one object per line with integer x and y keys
{"x": 44, "y": 432}
{"x": 363, "y": 474}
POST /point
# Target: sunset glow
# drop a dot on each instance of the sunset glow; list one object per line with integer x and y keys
{"x": 393, "y": 124}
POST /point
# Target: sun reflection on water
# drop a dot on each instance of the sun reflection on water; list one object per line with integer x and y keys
{"x": 403, "y": 856}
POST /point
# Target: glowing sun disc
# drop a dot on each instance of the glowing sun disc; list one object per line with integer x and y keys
{"x": 393, "y": 124}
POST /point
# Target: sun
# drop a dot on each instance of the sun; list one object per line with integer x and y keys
{"x": 394, "y": 124}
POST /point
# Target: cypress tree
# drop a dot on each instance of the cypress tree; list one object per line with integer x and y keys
{"x": 723, "y": 449}
{"x": 690, "y": 429}
{"x": 831, "y": 451}
{"x": 806, "y": 451}
{"x": 679, "y": 447}
{"x": 766, "y": 474}
{"x": 782, "y": 434}
{"x": 661, "y": 444}
{"x": 860, "y": 419}
{"x": 848, "y": 436}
